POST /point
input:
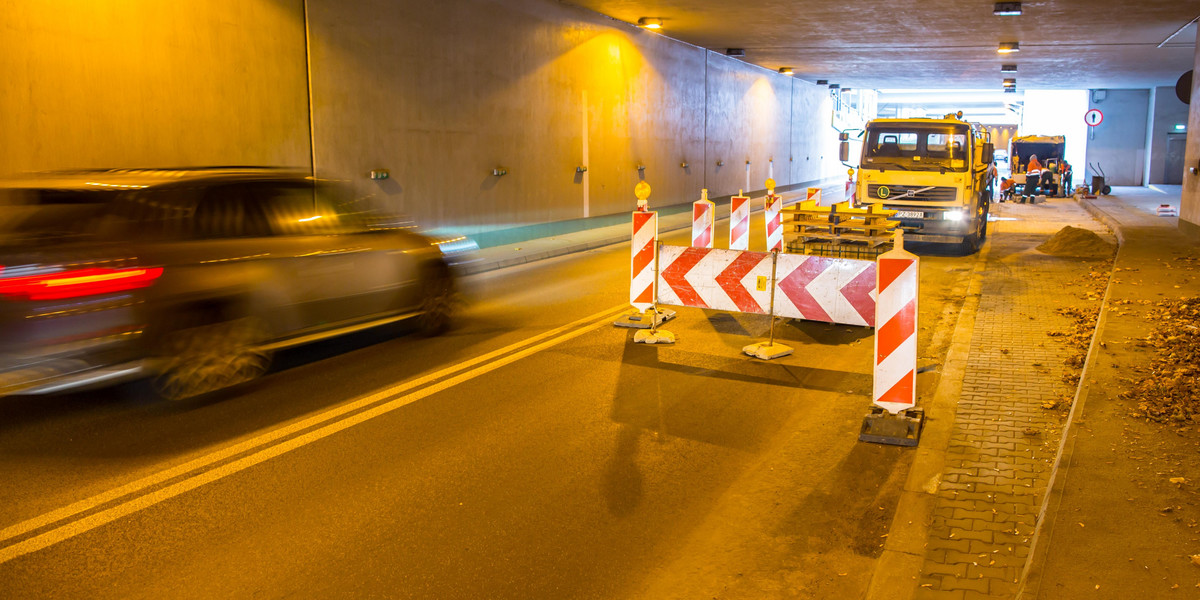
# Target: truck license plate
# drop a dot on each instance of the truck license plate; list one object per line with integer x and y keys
{"x": 909, "y": 214}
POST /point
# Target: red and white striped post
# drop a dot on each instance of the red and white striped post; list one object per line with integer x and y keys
{"x": 814, "y": 194}
{"x": 772, "y": 219}
{"x": 703, "y": 212}
{"x": 643, "y": 274}
{"x": 896, "y": 329}
{"x": 642, "y": 253}
{"x": 739, "y": 222}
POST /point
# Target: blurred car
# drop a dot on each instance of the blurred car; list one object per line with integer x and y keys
{"x": 194, "y": 277}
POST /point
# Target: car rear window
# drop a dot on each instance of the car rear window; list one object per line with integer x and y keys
{"x": 33, "y": 215}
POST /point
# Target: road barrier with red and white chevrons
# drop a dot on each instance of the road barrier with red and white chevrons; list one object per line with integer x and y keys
{"x": 881, "y": 294}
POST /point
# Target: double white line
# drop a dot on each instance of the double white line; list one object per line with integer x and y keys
{"x": 146, "y": 492}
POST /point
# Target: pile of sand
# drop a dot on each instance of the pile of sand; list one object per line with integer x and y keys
{"x": 1077, "y": 243}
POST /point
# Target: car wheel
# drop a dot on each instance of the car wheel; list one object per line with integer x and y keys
{"x": 970, "y": 244}
{"x": 437, "y": 300}
{"x": 208, "y": 357}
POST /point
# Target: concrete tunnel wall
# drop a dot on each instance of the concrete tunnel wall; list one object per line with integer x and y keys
{"x": 1189, "y": 204}
{"x": 437, "y": 93}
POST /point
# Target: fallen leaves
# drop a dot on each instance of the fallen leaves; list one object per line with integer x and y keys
{"x": 1169, "y": 390}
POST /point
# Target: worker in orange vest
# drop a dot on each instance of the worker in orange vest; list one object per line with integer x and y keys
{"x": 1033, "y": 176}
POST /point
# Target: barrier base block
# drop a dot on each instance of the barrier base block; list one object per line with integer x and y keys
{"x": 640, "y": 320}
{"x": 902, "y": 429}
{"x": 767, "y": 350}
{"x": 654, "y": 337}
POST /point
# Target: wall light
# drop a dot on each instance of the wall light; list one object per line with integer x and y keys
{"x": 1180, "y": 127}
{"x": 786, "y": 71}
{"x": 1007, "y": 9}
{"x": 1008, "y": 68}
{"x": 650, "y": 22}
{"x": 1010, "y": 90}
{"x": 1009, "y": 47}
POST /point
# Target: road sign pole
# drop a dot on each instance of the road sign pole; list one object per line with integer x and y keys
{"x": 770, "y": 349}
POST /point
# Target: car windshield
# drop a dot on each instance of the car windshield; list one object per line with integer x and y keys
{"x": 916, "y": 148}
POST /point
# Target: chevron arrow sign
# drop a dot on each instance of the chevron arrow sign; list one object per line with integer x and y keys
{"x": 714, "y": 278}
{"x": 819, "y": 288}
{"x": 834, "y": 290}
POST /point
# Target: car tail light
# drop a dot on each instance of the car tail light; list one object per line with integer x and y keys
{"x": 76, "y": 283}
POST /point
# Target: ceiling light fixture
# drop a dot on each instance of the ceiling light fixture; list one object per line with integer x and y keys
{"x": 1008, "y": 68}
{"x": 1010, "y": 90}
{"x": 1007, "y": 9}
{"x": 1010, "y": 83}
{"x": 835, "y": 86}
{"x": 822, "y": 82}
{"x": 735, "y": 52}
{"x": 650, "y": 23}
{"x": 786, "y": 71}
{"x": 1008, "y": 47}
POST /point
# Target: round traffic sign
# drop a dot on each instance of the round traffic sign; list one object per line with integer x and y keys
{"x": 1093, "y": 117}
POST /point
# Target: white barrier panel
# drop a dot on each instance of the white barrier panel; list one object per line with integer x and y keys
{"x": 833, "y": 290}
{"x": 895, "y": 387}
{"x": 739, "y": 223}
{"x": 714, "y": 278}
{"x": 774, "y": 225}
{"x": 703, "y": 212}
{"x": 820, "y": 288}
{"x": 645, "y": 239}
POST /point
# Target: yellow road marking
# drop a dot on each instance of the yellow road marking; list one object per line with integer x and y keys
{"x": 399, "y": 398}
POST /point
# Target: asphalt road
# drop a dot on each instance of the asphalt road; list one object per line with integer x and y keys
{"x": 532, "y": 452}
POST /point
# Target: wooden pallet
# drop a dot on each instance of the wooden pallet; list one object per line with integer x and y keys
{"x": 807, "y": 223}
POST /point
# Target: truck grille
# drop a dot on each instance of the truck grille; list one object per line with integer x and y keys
{"x": 897, "y": 193}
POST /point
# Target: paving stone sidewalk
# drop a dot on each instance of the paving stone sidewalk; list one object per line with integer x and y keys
{"x": 1004, "y": 439}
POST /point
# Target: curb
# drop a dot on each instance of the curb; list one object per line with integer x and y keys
{"x": 1030, "y": 574}
{"x": 1103, "y": 217}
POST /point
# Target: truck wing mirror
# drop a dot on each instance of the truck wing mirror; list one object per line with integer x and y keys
{"x": 844, "y": 151}
{"x": 989, "y": 151}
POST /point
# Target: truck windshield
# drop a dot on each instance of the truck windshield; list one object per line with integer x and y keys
{"x": 916, "y": 147}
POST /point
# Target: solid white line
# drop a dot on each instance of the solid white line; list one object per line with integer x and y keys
{"x": 591, "y": 322}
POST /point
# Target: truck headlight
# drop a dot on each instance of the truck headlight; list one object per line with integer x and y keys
{"x": 953, "y": 215}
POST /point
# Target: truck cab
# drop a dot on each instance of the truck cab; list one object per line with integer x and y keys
{"x": 934, "y": 172}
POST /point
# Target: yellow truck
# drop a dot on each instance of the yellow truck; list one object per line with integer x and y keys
{"x": 936, "y": 173}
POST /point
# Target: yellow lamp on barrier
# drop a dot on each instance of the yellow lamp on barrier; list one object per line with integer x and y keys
{"x": 642, "y": 191}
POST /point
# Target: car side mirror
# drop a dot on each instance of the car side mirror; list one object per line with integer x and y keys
{"x": 989, "y": 151}
{"x": 844, "y": 151}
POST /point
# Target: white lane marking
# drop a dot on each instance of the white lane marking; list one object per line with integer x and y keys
{"x": 71, "y": 529}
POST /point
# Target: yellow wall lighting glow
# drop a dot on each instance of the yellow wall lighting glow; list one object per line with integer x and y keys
{"x": 650, "y": 22}
{"x": 786, "y": 71}
{"x": 1008, "y": 47}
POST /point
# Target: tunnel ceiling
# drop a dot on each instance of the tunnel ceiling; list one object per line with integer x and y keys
{"x": 938, "y": 44}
